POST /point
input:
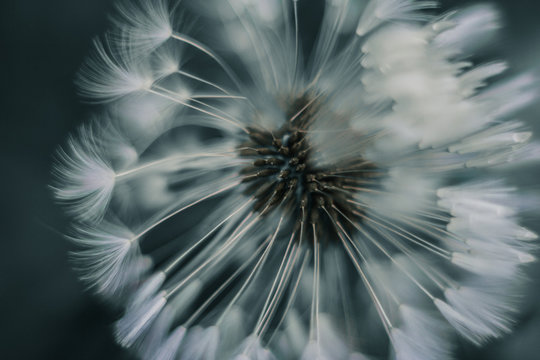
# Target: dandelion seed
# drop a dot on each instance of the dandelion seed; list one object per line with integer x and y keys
{"x": 420, "y": 336}
{"x": 480, "y": 311}
{"x": 86, "y": 177}
{"x": 145, "y": 25}
{"x": 290, "y": 210}
{"x": 202, "y": 344}
{"x": 109, "y": 258}
{"x": 138, "y": 320}
{"x": 379, "y": 11}
{"x": 111, "y": 73}
{"x": 168, "y": 350}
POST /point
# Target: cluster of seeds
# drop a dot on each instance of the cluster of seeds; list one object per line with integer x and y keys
{"x": 283, "y": 175}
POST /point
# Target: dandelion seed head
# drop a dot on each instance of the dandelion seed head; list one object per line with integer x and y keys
{"x": 257, "y": 200}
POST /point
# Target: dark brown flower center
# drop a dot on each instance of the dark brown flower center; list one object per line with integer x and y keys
{"x": 283, "y": 175}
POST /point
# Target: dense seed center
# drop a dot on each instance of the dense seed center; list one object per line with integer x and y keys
{"x": 283, "y": 174}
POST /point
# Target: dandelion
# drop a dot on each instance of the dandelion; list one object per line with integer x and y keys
{"x": 241, "y": 200}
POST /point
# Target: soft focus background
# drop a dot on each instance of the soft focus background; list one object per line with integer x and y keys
{"x": 45, "y": 313}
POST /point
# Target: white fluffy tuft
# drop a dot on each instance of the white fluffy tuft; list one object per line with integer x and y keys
{"x": 148, "y": 289}
{"x": 472, "y": 28}
{"x": 479, "y": 311}
{"x": 379, "y": 11}
{"x": 498, "y": 137}
{"x": 201, "y": 344}
{"x": 137, "y": 320}
{"x": 110, "y": 74}
{"x": 109, "y": 260}
{"x": 329, "y": 345}
{"x": 476, "y": 78}
{"x": 485, "y": 217}
{"x": 507, "y": 97}
{"x": 429, "y": 106}
{"x": 154, "y": 337}
{"x": 144, "y": 24}
{"x": 252, "y": 349}
{"x": 420, "y": 336}
{"x": 169, "y": 349}
{"x": 314, "y": 351}
{"x": 486, "y": 211}
{"x": 487, "y": 263}
{"x": 84, "y": 177}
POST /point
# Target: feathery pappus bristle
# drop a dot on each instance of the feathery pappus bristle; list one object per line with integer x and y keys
{"x": 470, "y": 29}
{"x": 380, "y": 11}
{"x": 111, "y": 73}
{"x": 420, "y": 336}
{"x": 170, "y": 347}
{"x": 144, "y": 25}
{"x": 137, "y": 320}
{"x": 480, "y": 311}
{"x": 84, "y": 178}
{"x": 251, "y": 349}
{"x": 201, "y": 344}
{"x": 109, "y": 257}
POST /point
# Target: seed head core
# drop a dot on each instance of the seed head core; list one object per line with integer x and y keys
{"x": 284, "y": 175}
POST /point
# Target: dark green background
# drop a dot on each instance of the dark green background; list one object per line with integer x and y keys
{"x": 45, "y": 313}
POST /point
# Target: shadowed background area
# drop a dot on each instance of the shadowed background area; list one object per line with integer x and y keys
{"x": 46, "y": 314}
